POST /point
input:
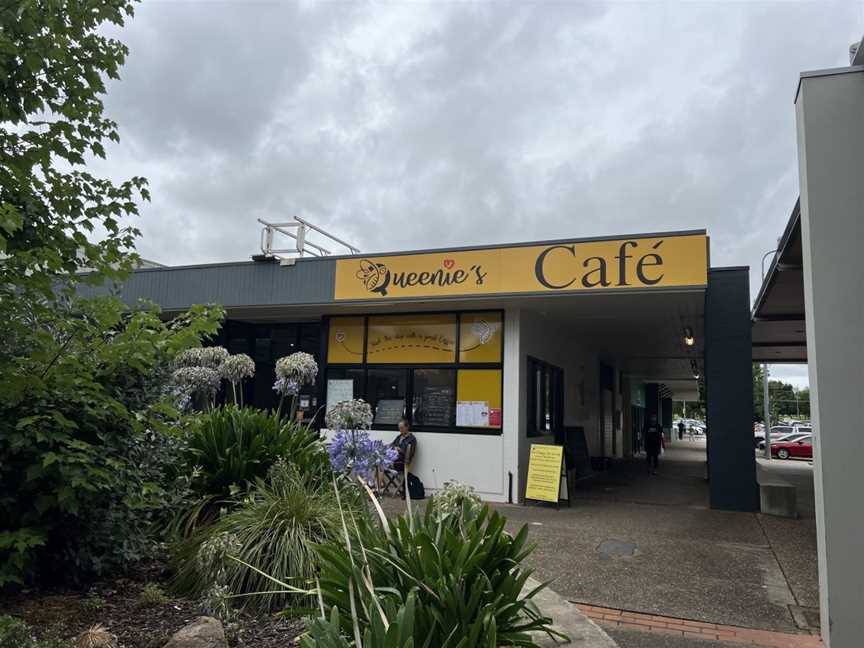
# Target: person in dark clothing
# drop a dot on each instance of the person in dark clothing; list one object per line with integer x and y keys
{"x": 653, "y": 436}
{"x": 406, "y": 446}
{"x": 681, "y": 427}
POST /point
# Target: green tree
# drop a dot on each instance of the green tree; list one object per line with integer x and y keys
{"x": 54, "y": 62}
{"x": 87, "y": 460}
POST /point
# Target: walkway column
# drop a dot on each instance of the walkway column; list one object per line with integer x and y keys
{"x": 666, "y": 417}
{"x": 830, "y": 112}
{"x": 729, "y": 391}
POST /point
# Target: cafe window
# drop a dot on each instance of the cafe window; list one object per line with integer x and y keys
{"x": 443, "y": 372}
{"x": 386, "y": 390}
{"x": 545, "y": 398}
{"x": 433, "y": 400}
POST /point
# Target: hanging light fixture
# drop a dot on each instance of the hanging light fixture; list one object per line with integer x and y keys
{"x": 689, "y": 340}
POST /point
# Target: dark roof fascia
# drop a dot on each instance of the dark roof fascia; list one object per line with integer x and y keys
{"x": 463, "y": 248}
{"x": 496, "y": 246}
{"x": 792, "y": 224}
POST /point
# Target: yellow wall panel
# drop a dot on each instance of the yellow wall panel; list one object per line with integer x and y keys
{"x": 345, "y": 340}
{"x": 483, "y": 385}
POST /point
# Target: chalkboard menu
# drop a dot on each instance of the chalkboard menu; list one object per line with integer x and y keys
{"x": 388, "y": 411}
{"x": 435, "y": 405}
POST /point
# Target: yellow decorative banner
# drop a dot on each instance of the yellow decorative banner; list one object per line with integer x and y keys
{"x": 678, "y": 260}
{"x": 544, "y": 473}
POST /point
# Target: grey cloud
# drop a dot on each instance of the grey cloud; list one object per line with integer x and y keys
{"x": 404, "y": 126}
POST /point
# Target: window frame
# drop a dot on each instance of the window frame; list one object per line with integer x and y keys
{"x": 365, "y": 366}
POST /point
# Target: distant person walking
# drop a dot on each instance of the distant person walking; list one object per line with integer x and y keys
{"x": 681, "y": 428}
{"x": 653, "y": 436}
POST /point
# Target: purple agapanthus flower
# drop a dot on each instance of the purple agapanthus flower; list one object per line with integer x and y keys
{"x": 286, "y": 387}
{"x": 353, "y": 452}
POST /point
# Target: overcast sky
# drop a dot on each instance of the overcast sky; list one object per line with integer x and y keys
{"x": 413, "y": 125}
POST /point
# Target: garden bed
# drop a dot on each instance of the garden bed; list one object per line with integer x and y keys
{"x": 136, "y": 620}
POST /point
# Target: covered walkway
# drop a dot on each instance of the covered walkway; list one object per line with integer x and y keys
{"x": 680, "y": 481}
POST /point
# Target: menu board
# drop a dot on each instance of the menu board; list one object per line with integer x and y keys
{"x": 435, "y": 406}
{"x": 388, "y": 411}
{"x": 472, "y": 414}
{"x": 544, "y": 473}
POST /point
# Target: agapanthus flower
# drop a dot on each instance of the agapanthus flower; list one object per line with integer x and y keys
{"x": 237, "y": 367}
{"x": 349, "y": 415}
{"x": 286, "y": 387}
{"x": 354, "y": 453}
{"x": 210, "y": 357}
{"x": 299, "y": 367}
{"x": 196, "y": 380}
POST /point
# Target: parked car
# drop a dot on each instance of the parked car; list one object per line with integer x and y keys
{"x": 786, "y": 438}
{"x": 801, "y": 448}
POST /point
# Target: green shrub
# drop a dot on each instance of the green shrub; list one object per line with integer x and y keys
{"x": 152, "y": 595}
{"x": 464, "y": 569}
{"x": 88, "y": 466}
{"x": 231, "y": 447}
{"x": 15, "y": 633}
{"x": 398, "y": 633}
{"x": 272, "y": 529}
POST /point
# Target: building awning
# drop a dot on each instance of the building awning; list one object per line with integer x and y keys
{"x": 779, "y": 333}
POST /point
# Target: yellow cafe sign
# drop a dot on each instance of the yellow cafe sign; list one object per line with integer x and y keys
{"x": 669, "y": 261}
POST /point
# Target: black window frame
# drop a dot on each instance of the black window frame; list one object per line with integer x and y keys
{"x": 551, "y": 379}
{"x": 411, "y": 367}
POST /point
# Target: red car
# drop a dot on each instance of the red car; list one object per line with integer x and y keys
{"x": 799, "y": 449}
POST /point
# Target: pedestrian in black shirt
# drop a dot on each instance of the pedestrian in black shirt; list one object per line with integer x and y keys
{"x": 653, "y": 435}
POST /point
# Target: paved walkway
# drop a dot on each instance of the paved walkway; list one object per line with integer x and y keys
{"x": 650, "y": 545}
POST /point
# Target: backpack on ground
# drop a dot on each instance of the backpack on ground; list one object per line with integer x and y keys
{"x": 416, "y": 491}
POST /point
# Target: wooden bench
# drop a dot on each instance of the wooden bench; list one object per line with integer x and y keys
{"x": 776, "y": 495}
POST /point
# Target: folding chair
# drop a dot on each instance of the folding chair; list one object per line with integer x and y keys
{"x": 393, "y": 482}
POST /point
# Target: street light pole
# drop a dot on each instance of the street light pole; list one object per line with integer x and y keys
{"x": 766, "y": 405}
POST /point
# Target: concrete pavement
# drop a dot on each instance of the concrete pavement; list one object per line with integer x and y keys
{"x": 651, "y": 544}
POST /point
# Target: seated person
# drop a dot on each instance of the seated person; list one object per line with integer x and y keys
{"x": 406, "y": 446}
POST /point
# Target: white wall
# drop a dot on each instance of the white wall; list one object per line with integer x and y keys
{"x": 830, "y": 141}
{"x": 548, "y": 341}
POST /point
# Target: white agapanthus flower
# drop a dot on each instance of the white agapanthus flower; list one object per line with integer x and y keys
{"x": 237, "y": 367}
{"x": 349, "y": 415}
{"x": 210, "y": 357}
{"x": 197, "y": 379}
{"x": 298, "y": 367}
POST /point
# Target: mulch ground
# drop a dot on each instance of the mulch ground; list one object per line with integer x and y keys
{"x": 117, "y": 606}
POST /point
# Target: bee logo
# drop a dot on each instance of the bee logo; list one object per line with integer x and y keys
{"x": 375, "y": 276}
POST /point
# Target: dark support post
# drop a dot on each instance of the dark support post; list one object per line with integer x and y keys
{"x": 729, "y": 391}
{"x": 666, "y": 416}
{"x": 652, "y": 401}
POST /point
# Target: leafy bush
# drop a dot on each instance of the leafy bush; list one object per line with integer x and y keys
{"x": 464, "y": 569}
{"x": 271, "y": 531}
{"x": 15, "y": 633}
{"x": 152, "y": 595}
{"x": 234, "y": 446}
{"x": 87, "y": 460}
{"x": 399, "y": 633}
